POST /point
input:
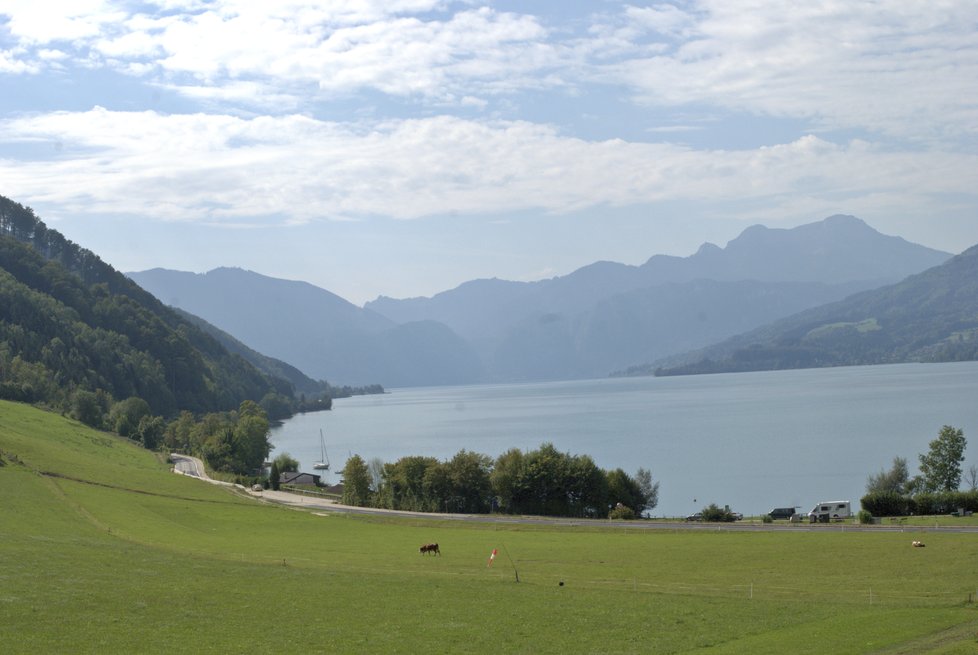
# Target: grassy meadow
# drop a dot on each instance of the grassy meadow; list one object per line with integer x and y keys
{"x": 103, "y": 550}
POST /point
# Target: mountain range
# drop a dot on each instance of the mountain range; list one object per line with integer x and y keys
{"x": 315, "y": 330}
{"x": 600, "y": 318}
{"x": 931, "y": 316}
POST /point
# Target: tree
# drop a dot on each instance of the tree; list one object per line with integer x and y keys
{"x": 178, "y": 432}
{"x": 649, "y": 490}
{"x": 287, "y": 462}
{"x": 940, "y": 467}
{"x": 125, "y": 414}
{"x": 376, "y": 468}
{"x": 277, "y": 406}
{"x": 356, "y": 482}
{"x": 624, "y": 489}
{"x": 468, "y": 479}
{"x": 404, "y": 480}
{"x": 971, "y": 477}
{"x": 87, "y": 408}
{"x": 506, "y": 479}
{"x": 588, "y": 489}
{"x": 150, "y": 431}
{"x": 547, "y": 482}
{"x": 274, "y": 477}
{"x": 251, "y": 445}
{"x": 896, "y": 480}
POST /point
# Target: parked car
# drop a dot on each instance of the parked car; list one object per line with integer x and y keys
{"x": 781, "y": 513}
{"x": 698, "y": 516}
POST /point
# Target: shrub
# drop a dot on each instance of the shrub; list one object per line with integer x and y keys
{"x": 621, "y": 513}
{"x": 887, "y": 503}
{"x": 946, "y": 502}
{"x": 714, "y": 514}
{"x": 766, "y": 518}
{"x": 864, "y": 517}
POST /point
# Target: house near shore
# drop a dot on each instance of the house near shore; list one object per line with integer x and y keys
{"x": 298, "y": 478}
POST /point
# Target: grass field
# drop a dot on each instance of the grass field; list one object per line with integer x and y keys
{"x": 103, "y": 550}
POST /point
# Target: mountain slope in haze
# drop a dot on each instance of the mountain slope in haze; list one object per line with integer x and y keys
{"x": 598, "y": 319}
{"x": 302, "y": 383}
{"x": 70, "y": 322}
{"x": 315, "y": 330}
{"x": 931, "y": 316}
{"x": 837, "y": 250}
{"x": 606, "y": 316}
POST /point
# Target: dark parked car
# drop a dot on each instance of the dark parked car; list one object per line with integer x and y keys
{"x": 782, "y": 513}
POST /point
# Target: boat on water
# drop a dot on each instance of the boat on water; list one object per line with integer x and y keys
{"x": 323, "y": 463}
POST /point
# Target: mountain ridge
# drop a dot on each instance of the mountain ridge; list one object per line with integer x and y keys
{"x": 597, "y": 319}
{"x": 313, "y": 329}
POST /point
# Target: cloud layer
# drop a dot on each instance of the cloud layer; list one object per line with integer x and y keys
{"x": 299, "y": 111}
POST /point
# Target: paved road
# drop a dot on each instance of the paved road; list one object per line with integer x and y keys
{"x": 187, "y": 465}
{"x": 192, "y": 466}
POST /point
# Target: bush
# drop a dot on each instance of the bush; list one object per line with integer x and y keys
{"x": 714, "y": 514}
{"x": 888, "y": 503}
{"x": 864, "y": 517}
{"x": 767, "y": 519}
{"x": 946, "y": 502}
{"x": 621, "y": 513}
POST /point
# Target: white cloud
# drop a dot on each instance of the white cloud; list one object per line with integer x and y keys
{"x": 221, "y": 168}
{"x": 903, "y": 69}
{"x": 12, "y": 62}
{"x": 40, "y": 23}
{"x": 906, "y": 70}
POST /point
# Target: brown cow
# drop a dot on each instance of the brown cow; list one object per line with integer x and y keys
{"x": 430, "y": 548}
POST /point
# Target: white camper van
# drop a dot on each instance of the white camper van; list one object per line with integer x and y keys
{"x": 830, "y": 510}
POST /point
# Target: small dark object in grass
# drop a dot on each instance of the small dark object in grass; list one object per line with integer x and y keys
{"x": 561, "y": 583}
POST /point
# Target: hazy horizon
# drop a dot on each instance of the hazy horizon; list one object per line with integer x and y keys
{"x": 401, "y": 149}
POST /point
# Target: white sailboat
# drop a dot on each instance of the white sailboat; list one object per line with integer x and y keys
{"x": 323, "y": 463}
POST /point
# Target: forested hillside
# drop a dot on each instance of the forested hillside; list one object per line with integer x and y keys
{"x": 928, "y": 317}
{"x": 72, "y": 326}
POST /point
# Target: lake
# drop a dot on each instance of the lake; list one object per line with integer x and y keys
{"x": 753, "y": 441}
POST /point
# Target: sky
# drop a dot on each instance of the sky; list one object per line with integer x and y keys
{"x": 402, "y": 147}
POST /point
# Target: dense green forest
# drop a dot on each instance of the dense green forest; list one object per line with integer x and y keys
{"x": 70, "y": 322}
{"x": 79, "y": 337}
{"x": 928, "y": 317}
{"x": 544, "y": 481}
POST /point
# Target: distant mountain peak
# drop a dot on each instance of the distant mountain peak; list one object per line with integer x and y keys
{"x": 844, "y": 219}
{"x": 709, "y": 249}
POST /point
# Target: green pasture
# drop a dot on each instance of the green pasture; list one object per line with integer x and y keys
{"x": 103, "y": 550}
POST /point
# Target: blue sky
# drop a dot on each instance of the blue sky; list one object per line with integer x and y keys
{"x": 401, "y": 147}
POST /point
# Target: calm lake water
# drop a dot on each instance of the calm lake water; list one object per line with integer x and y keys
{"x": 750, "y": 440}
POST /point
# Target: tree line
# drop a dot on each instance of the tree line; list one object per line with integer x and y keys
{"x": 543, "y": 482}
